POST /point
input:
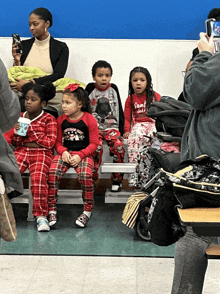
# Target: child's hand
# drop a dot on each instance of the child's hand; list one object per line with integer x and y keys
{"x": 17, "y": 126}
{"x": 126, "y": 135}
{"x": 66, "y": 157}
{"x": 75, "y": 160}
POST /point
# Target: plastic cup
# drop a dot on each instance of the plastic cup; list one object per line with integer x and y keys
{"x": 24, "y": 125}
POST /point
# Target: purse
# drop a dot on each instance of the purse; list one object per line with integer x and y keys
{"x": 8, "y": 230}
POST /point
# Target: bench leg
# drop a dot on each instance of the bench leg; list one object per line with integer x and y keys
{"x": 30, "y": 217}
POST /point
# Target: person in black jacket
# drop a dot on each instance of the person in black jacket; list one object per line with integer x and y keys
{"x": 41, "y": 51}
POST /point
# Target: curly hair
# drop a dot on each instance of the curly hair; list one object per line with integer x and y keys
{"x": 46, "y": 91}
{"x": 100, "y": 64}
{"x": 81, "y": 95}
{"x": 214, "y": 13}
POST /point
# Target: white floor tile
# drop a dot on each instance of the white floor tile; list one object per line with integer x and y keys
{"x": 93, "y": 275}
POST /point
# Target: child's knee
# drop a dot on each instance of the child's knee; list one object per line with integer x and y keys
{"x": 85, "y": 176}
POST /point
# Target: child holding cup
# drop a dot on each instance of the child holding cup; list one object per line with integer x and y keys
{"x": 34, "y": 138}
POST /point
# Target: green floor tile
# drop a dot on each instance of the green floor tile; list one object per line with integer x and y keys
{"x": 105, "y": 235}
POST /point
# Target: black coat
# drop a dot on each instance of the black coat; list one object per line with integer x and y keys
{"x": 59, "y": 55}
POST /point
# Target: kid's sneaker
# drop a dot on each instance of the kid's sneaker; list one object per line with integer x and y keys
{"x": 52, "y": 219}
{"x": 116, "y": 186}
{"x": 42, "y": 224}
{"x": 82, "y": 221}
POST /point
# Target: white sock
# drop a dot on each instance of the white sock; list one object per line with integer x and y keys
{"x": 41, "y": 217}
{"x": 54, "y": 212}
{"x": 88, "y": 213}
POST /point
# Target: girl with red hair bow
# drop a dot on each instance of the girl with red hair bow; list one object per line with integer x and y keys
{"x": 77, "y": 140}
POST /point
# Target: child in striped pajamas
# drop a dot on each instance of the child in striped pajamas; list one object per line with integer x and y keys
{"x": 77, "y": 140}
{"x": 35, "y": 149}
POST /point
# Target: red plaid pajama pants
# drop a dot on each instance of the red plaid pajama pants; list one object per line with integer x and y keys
{"x": 84, "y": 170}
{"x": 116, "y": 149}
{"x": 38, "y": 161}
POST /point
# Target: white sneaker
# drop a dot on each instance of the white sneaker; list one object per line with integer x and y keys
{"x": 116, "y": 186}
{"x": 42, "y": 224}
{"x": 82, "y": 220}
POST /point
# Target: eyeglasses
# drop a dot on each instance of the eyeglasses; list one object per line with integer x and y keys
{"x": 183, "y": 72}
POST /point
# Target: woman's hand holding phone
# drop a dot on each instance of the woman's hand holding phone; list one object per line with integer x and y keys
{"x": 206, "y": 43}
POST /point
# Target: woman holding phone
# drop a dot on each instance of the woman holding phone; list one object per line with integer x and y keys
{"x": 42, "y": 51}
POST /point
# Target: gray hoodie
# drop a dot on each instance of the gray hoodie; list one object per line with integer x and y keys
{"x": 9, "y": 114}
{"x": 202, "y": 92}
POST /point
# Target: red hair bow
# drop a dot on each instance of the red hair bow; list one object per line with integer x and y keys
{"x": 72, "y": 87}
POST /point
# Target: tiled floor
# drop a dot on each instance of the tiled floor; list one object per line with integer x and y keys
{"x": 106, "y": 257}
{"x": 94, "y": 275}
{"x": 105, "y": 235}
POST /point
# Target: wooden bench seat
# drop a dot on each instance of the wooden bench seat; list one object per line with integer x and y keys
{"x": 205, "y": 222}
{"x": 213, "y": 251}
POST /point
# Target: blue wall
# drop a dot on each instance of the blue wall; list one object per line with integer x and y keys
{"x": 115, "y": 19}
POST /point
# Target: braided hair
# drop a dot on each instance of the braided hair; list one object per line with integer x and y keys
{"x": 150, "y": 95}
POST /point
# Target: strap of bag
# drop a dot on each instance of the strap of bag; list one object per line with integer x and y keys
{"x": 8, "y": 230}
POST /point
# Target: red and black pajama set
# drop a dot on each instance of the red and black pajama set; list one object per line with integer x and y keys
{"x": 43, "y": 131}
{"x": 77, "y": 137}
{"x": 107, "y": 110}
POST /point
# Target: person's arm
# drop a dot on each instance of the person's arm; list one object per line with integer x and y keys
{"x": 9, "y": 102}
{"x": 47, "y": 139}
{"x": 93, "y": 138}
{"x": 121, "y": 113}
{"x": 127, "y": 115}
{"x": 59, "y": 67}
{"x": 202, "y": 81}
{"x": 59, "y": 145}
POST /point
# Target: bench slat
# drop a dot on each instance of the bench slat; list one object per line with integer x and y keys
{"x": 118, "y": 167}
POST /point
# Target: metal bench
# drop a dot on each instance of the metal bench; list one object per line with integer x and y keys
{"x": 70, "y": 196}
{"x": 122, "y": 196}
{"x": 66, "y": 196}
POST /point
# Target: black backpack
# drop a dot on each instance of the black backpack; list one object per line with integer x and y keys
{"x": 170, "y": 114}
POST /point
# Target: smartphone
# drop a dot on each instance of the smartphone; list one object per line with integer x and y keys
{"x": 17, "y": 40}
{"x": 213, "y": 28}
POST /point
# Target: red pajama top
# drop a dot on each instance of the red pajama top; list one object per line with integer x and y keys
{"x": 136, "y": 112}
{"x": 42, "y": 130}
{"x": 79, "y": 135}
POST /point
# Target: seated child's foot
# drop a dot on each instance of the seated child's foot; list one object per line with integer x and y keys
{"x": 42, "y": 224}
{"x": 52, "y": 218}
{"x": 116, "y": 186}
{"x": 83, "y": 219}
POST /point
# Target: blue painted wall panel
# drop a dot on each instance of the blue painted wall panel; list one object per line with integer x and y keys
{"x": 115, "y": 19}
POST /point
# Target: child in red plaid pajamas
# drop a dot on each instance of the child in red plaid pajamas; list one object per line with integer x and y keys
{"x": 35, "y": 150}
{"x": 77, "y": 140}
